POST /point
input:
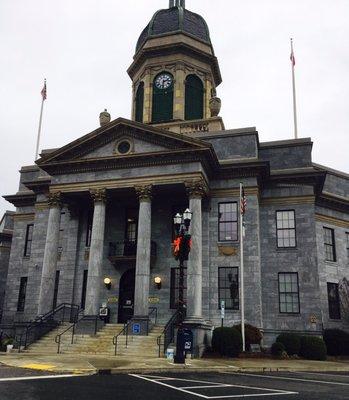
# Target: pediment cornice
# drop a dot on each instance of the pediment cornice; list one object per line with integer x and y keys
{"x": 114, "y": 130}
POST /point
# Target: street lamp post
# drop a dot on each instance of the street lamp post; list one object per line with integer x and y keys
{"x": 181, "y": 253}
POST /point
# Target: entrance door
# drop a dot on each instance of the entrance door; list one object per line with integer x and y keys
{"x": 126, "y": 296}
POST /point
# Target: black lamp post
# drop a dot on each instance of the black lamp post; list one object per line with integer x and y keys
{"x": 182, "y": 249}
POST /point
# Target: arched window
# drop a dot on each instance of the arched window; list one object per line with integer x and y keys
{"x": 162, "y": 98}
{"x": 140, "y": 102}
{"x": 194, "y": 98}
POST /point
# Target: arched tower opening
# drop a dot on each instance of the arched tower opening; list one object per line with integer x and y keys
{"x": 194, "y": 98}
{"x": 162, "y": 98}
{"x": 139, "y": 102}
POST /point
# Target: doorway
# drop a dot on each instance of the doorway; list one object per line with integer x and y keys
{"x": 126, "y": 296}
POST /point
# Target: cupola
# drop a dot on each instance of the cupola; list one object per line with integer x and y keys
{"x": 175, "y": 72}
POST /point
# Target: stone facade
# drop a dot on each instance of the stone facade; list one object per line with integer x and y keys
{"x": 6, "y": 230}
{"x": 98, "y": 213}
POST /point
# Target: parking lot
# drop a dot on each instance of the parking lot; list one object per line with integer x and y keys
{"x": 178, "y": 386}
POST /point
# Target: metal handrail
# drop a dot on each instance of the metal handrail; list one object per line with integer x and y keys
{"x": 153, "y": 310}
{"x": 168, "y": 327}
{"x": 45, "y": 320}
{"x": 123, "y": 332}
{"x": 59, "y": 336}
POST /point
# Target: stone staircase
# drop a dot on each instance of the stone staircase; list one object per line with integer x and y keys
{"x": 47, "y": 344}
{"x": 99, "y": 344}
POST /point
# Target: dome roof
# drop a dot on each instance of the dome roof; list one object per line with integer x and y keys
{"x": 175, "y": 19}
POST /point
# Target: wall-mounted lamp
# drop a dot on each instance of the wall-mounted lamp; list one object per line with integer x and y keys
{"x": 107, "y": 282}
{"x": 157, "y": 281}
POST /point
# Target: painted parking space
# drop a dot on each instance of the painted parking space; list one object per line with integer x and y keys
{"x": 214, "y": 389}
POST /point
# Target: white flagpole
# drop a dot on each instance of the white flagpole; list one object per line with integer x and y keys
{"x": 40, "y": 123}
{"x": 242, "y": 295}
{"x": 294, "y": 93}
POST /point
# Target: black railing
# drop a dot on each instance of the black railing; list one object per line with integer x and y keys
{"x": 124, "y": 332}
{"x": 87, "y": 324}
{"x": 153, "y": 317}
{"x": 168, "y": 334}
{"x": 42, "y": 325}
{"x": 127, "y": 248}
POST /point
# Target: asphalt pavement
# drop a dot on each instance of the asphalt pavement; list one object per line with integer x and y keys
{"x": 178, "y": 386}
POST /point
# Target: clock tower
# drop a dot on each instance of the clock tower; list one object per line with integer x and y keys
{"x": 175, "y": 73}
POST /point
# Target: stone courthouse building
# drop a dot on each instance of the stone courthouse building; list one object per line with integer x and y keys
{"x": 102, "y": 207}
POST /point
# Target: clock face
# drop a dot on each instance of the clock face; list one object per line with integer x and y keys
{"x": 163, "y": 81}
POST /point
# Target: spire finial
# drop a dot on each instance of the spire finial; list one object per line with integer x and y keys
{"x": 177, "y": 3}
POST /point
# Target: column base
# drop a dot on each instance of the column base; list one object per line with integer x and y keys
{"x": 202, "y": 334}
{"x": 140, "y": 325}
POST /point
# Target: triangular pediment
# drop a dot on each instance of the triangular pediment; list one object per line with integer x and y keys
{"x": 105, "y": 142}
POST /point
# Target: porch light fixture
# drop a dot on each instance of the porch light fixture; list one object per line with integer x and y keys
{"x": 157, "y": 281}
{"x": 107, "y": 282}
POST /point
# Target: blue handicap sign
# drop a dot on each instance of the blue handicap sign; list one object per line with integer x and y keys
{"x": 136, "y": 328}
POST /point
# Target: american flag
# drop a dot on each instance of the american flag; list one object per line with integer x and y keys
{"x": 243, "y": 202}
{"x": 292, "y": 58}
{"x": 44, "y": 92}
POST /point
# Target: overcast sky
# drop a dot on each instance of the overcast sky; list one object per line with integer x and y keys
{"x": 83, "y": 48}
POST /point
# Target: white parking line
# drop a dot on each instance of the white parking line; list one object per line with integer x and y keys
{"x": 288, "y": 378}
{"x": 213, "y": 385}
{"x": 32, "y": 378}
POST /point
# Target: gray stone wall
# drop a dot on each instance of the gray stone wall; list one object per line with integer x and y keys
{"x": 331, "y": 272}
{"x": 285, "y": 155}
{"x": 302, "y": 259}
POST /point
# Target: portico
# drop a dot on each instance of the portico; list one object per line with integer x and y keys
{"x": 141, "y": 253}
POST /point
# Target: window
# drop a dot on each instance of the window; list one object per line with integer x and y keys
{"x": 330, "y": 248}
{"x": 131, "y": 225}
{"x": 227, "y": 222}
{"x": 162, "y": 98}
{"x": 140, "y": 102}
{"x": 286, "y": 228}
{"x": 89, "y": 228}
{"x": 288, "y": 293}
{"x": 194, "y": 98}
{"x": 28, "y": 240}
{"x": 55, "y": 293}
{"x": 22, "y": 293}
{"x": 84, "y": 287}
{"x": 334, "y": 309}
{"x": 228, "y": 287}
{"x": 347, "y": 241}
{"x": 174, "y": 293}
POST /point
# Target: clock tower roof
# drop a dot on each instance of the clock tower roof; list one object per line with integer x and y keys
{"x": 175, "y": 19}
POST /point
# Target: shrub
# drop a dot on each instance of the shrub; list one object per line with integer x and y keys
{"x": 227, "y": 341}
{"x": 291, "y": 342}
{"x": 313, "y": 348}
{"x": 337, "y": 342}
{"x": 252, "y": 334}
{"x": 277, "y": 349}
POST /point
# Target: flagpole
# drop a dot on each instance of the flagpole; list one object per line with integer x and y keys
{"x": 294, "y": 93}
{"x": 40, "y": 123}
{"x": 242, "y": 296}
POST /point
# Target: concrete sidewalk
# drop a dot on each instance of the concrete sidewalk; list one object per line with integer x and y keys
{"x": 91, "y": 364}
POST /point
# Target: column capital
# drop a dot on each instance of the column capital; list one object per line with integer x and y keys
{"x": 55, "y": 199}
{"x": 144, "y": 192}
{"x": 99, "y": 195}
{"x": 196, "y": 188}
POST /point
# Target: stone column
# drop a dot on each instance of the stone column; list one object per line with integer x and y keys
{"x": 95, "y": 262}
{"x": 196, "y": 191}
{"x": 50, "y": 255}
{"x": 141, "y": 307}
